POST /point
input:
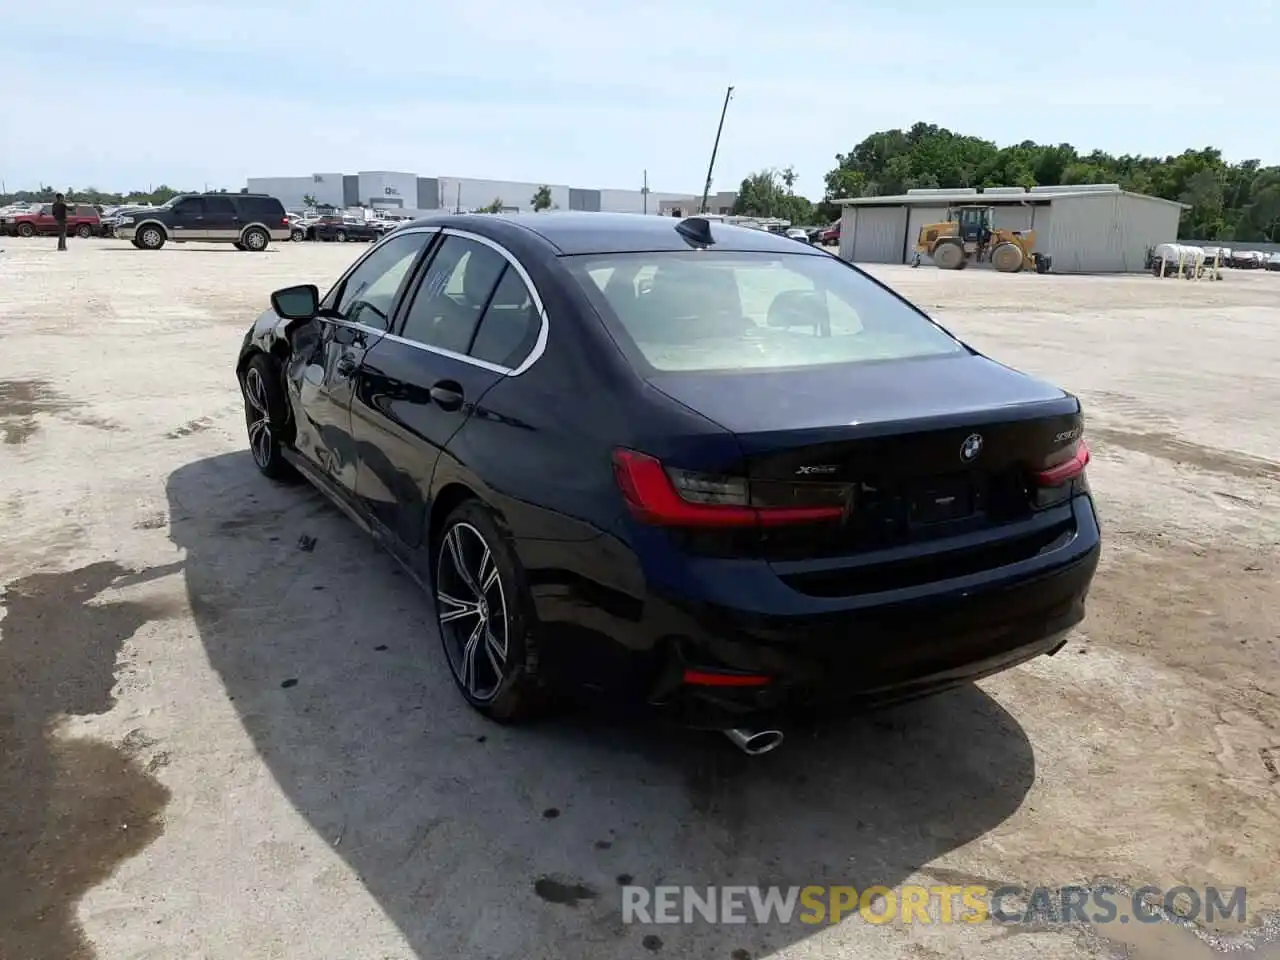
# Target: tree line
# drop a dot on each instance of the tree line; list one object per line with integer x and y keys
{"x": 1228, "y": 201}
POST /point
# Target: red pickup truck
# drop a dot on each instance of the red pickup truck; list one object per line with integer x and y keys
{"x": 82, "y": 221}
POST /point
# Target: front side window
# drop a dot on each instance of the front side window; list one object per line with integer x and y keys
{"x": 703, "y": 310}
{"x": 189, "y": 207}
{"x": 370, "y": 289}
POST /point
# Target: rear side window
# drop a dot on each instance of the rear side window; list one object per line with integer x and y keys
{"x": 452, "y": 295}
{"x": 219, "y": 207}
{"x": 86, "y": 212}
{"x": 509, "y": 328}
{"x": 702, "y": 310}
{"x": 262, "y": 208}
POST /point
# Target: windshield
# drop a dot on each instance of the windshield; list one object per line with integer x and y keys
{"x": 702, "y": 310}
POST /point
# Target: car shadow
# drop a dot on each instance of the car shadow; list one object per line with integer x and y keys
{"x": 483, "y": 840}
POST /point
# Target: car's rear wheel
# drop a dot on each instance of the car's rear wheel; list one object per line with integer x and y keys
{"x": 297, "y": 236}
{"x": 255, "y": 239}
{"x": 26, "y": 230}
{"x": 266, "y": 417}
{"x": 483, "y": 612}
{"x": 84, "y": 231}
{"x": 151, "y": 237}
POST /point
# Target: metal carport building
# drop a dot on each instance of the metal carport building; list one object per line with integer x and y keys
{"x": 1095, "y": 228}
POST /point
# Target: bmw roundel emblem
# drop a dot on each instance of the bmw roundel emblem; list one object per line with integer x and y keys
{"x": 971, "y": 447}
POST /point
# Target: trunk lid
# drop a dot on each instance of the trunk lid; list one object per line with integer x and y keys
{"x": 916, "y": 450}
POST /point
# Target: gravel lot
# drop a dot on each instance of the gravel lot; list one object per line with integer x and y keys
{"x": 215, "y": 744}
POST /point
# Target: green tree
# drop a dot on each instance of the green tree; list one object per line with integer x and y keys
{"x": 1227, "y": 201}
{"x": 541, "y": 199}
{"x": 308, "y": 200}
{"x": 768, "y": 193}
{"x": 495, "y": 207}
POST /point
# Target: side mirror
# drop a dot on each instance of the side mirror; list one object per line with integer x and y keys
{"x": 297, "y": 303}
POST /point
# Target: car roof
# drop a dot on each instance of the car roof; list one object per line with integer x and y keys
{"x": 573, "y": 233}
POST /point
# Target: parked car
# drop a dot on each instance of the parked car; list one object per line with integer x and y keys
{"x": 82, "y": 221}
{"x": 622, "y": 507}
{"x": 250, "y": 221}
{"x": 1246, "y": 260}
{"x": 1273, "y": 262}
{"x": 112, "y": 216}
{"x": 300, "y": 225}
{"x": 830, "y": 236}
{"x": 341, "y": 229}
{"x": 798, "y": 233}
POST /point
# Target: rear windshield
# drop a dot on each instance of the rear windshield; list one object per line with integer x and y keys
{"x": 703, "y": 310}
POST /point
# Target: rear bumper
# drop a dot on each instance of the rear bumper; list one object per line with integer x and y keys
{"x": 836, "y": 663}
{"x": 837, "y": 669}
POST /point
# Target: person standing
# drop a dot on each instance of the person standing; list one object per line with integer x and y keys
{"x": 60, "y": 218}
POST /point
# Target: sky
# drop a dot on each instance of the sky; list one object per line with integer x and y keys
{"x": 122, "y": 95}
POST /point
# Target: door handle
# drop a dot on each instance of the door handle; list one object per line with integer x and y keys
{"x": 447, "y": 394}
{"x": 346, "y": 365}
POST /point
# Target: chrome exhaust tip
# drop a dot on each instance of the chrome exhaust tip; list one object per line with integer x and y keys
{"x": 755, "y": 742}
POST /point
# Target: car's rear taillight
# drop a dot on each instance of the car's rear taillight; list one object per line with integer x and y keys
{"x": 284, "y": 222}
{"x": 1068, "y": 466}
{"x": 667, "y": 496}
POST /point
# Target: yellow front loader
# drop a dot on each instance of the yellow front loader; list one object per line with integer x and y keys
{"x": 968, "y": 235}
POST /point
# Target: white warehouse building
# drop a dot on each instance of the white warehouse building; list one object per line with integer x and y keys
{"x": 410, "y": 193}
{"x": 1096, "y": 228}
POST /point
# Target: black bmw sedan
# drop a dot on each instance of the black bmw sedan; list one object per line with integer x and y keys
{"x": 680, "y": 465}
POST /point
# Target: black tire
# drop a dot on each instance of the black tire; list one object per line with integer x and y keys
{"x": 266, "y": 418}
{"x": 84, "y": 231}
{"x": 255, "y": 240}
{"x": 239, "y": 246}
{"x": 297, "y": 236}
{"x": 512, "y": 692}
{"x": 150, "y": 237}
{"x": 1007, "y": 258}
{"x": 341, "y": 236}
{"x": 949, "y": 256}
{"x": 135, "y": 242}
{"x": 26, "y": 230}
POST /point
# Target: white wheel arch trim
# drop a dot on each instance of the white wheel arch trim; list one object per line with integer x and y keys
{"x": 139, "y": 227}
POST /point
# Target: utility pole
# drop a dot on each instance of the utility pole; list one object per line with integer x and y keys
{"x": 644, "y": 191}
{"x": 706, "y": 190}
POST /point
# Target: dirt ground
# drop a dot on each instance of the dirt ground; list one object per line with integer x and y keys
{"x": 216, "y": 744}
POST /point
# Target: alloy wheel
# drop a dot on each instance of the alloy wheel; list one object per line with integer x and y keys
{"x": 472, "y": 607}
{"x": 257, "y": 417}
{"x": 254, "y": 240}
{"x": 150, "y": 238}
